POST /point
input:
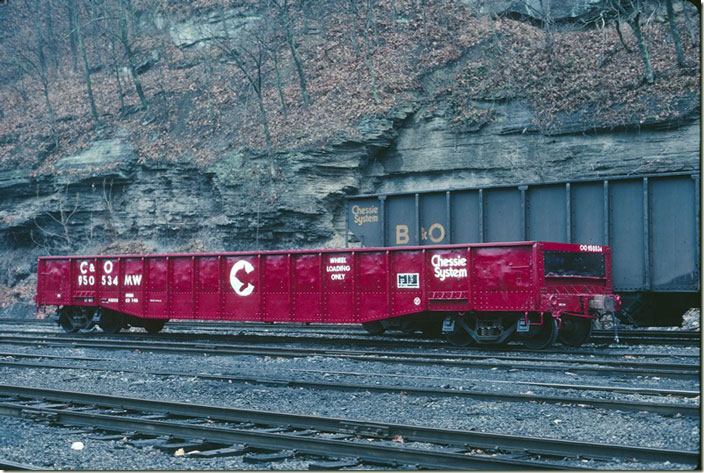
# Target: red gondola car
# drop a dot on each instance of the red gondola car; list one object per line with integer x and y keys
{"x": 473, "y": 293}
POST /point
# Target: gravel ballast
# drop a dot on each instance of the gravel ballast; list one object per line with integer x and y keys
{"x": 49, "y": 447}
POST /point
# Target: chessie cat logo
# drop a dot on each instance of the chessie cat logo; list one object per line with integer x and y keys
{"x": 241, "y": 289}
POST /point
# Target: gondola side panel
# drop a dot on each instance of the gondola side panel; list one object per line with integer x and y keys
{"x": 54, "y": 283}
{"x": 84, "y": 282}
{"x": 338, "y": 286}
{"x": 132, "y": 282}
{"x": 180, "y": 287}
{"x": 207, "y": 288}
{"x": 448, "y": 279}
{"x": 156, "y": 287}
{"x": 502, "y": 278}
{"x": 305, "y": 282}
{"x": 371, "y": 286}
{"x": 276, "y": 295}
{"x": 109, "y": 282}
{"x": 241, "y": 286}
{"x": 406, "y": 282}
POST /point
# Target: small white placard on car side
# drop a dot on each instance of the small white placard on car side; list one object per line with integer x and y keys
{"x": 407, "y": 281}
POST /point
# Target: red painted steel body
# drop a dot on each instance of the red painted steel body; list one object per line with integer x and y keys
{"x": 334, "y": 286}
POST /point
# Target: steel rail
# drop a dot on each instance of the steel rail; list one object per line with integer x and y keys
{"x": 405, "y": 340}
{"x": 206, "y": 324}
{"x": 579, "y": 387}
{"x": 619, "y": 389}
{"x": 463, "y": 438}
{"x": 315, "y": 446}
{"x": 686, "y": 371}
{"x": 439, "y": 350}
{"x": 361, "y": 343}
{"x": 8, "y": 465}
{"x": 344, "y": 352}
{"x": 666, "y": 409}
{"x": 659, "y": 333}
{"x": 576, "y": 387}
{"x": 598, "y": 336}
{"x": 598, "y": 333}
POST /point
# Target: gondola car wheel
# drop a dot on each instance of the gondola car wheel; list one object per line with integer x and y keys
{"x": 76, "y": 319}
{"x": 375, "y": 327}
{"x": 542, "y": 336}
{"x": 432, "y": 329}
{"x": 574, "y": 331}
{"x": 111, "y": 322}
{"x": 459, "y": 337}
{"x": 154, "y": 325}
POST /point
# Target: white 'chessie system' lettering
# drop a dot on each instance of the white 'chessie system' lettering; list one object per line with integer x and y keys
{"x": 455, "y": 267}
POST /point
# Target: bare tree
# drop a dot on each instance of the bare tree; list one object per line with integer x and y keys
{"x": 116, "y": 72}
{"x": 367, "y": 49}
{"x": 50, "y": 36}
{"x": 30, "y": 57}
{"x": 86, "y": 69}
{"x": 620, "y": 37}
{"x": 115, "y": 28}
{"x": 645, "y": 56}
{"x": 688, "y": 24}
{"x": 273, "y": 42}
{"x": 353, "y": 10}
{"x": 546, "y": 7}
{"x": 424, "y": 14}
{"x": 124, "y": 9}
{"x": 61, "y": 218}
{"x": 283, "y": 8}
{"x": 274, "y": 54}
{"x": 250, "y": 60}
{"x": 72, "y": 35}
{"x": 371, "y": 19}
{"x": 675, "y": 34}
{"x": 630, "y": 11}
{"x": 109, "y": 214}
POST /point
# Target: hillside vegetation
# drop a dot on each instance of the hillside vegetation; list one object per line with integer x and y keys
{"x": 190, "y": 81}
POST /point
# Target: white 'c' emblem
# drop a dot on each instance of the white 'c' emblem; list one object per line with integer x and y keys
{"x": 238, "y": 285}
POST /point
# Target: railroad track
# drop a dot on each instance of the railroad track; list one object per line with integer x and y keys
{"x": 362, "y": 342}
{"x": 15, "y": 466}
{"x": 666, "y": 409}
{"x": 218, "y": 430}
{"x": 625, "y": 335}
{"x": 650, "y": 337}
{"x": 445, "y": 379}
{"x": 490, "y": 361}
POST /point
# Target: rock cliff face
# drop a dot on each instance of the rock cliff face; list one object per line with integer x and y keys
{"x": 104, "y": 194}
{"x": 427, "y": 154}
